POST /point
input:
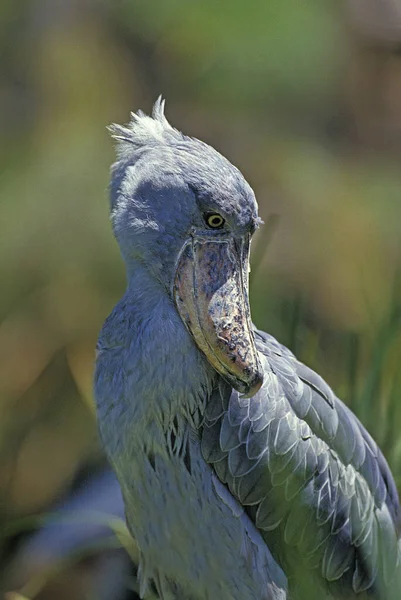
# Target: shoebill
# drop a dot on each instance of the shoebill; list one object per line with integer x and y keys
{"x": 243, "y": 475}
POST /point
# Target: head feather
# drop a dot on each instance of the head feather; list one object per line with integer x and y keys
{"x": 144, "y": 130}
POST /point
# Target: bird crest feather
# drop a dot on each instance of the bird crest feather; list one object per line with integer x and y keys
{"x": 144, "y": 130}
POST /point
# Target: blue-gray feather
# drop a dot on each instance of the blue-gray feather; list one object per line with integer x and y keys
{"x": 311, "y": 473}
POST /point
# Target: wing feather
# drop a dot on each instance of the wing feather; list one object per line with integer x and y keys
{"x": 311, "y": 475}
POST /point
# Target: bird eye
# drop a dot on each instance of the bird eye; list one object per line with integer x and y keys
{"x": 214, "y": 220}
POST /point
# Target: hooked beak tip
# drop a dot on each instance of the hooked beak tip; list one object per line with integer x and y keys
{"x": 254, "y": 387}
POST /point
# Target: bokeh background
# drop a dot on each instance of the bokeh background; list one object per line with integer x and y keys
{"x": 305, "y": 97}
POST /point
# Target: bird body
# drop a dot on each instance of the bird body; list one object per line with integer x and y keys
{"x": 184, "y": 520}
{"x": 237, "y": 463}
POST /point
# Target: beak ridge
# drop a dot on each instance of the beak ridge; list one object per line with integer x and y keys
{"x": 211, "y": 295}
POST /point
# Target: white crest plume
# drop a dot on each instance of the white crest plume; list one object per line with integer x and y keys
{"x": 144, "y": 130}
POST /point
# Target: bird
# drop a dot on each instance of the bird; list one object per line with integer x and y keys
{"x": 243, "y": 475}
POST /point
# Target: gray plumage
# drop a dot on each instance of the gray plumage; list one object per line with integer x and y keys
{"x": 316, "y": 484}
{"x": 224, "y": 491}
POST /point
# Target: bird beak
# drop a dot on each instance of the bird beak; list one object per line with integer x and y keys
{"x": 211, "y": 295}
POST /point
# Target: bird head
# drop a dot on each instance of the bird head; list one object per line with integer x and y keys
{"x": 187, "y": 215}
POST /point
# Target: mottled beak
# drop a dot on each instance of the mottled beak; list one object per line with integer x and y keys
{"x": 211, "y": 295}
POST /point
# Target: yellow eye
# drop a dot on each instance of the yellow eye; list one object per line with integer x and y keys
{"x": 214, "y": 220}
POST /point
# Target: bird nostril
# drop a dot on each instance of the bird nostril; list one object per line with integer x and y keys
{"x": 238, "y": 246}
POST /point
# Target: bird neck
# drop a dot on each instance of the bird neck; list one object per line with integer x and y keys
{"x": 168, "y": 379}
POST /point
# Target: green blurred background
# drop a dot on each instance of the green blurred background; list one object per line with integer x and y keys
{"x": 304, "y": 97}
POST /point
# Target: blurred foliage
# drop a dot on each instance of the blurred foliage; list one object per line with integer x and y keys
{"x": 304, "y": 97}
